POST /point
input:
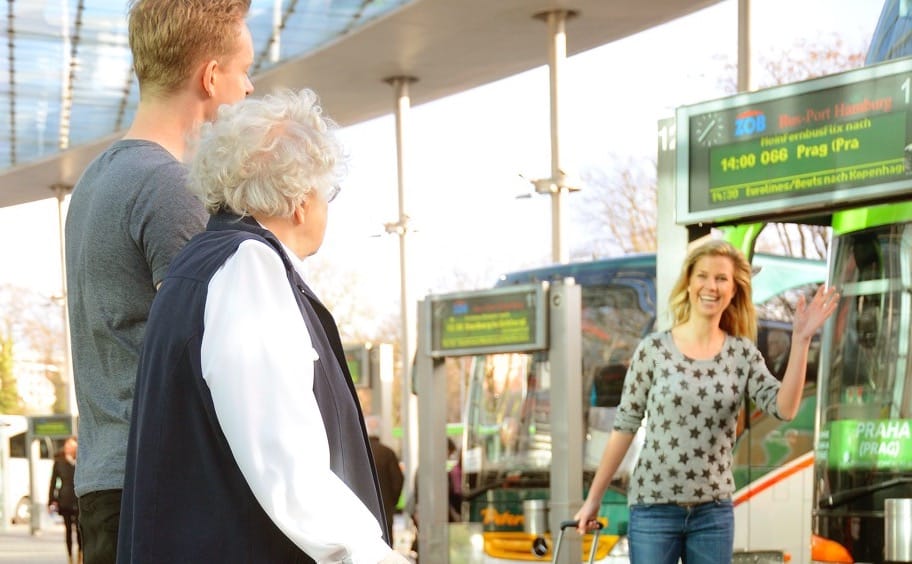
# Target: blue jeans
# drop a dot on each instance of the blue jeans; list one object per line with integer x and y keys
{"x": 701, "y": 534}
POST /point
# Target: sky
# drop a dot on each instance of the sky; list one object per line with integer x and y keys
{"x": 469, "y": 154}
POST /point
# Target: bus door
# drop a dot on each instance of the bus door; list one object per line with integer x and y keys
{"x": 864, "y": 454}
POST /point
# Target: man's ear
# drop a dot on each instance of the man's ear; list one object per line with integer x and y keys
{"x": 208, "y": 78}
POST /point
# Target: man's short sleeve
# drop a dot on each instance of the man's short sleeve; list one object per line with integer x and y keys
{"x": 165, "y": 217}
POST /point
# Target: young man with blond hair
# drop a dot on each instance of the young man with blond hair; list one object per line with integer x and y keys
{"x": 129, "y": 214}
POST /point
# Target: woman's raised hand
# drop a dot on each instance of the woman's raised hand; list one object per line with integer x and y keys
{"x": 810, "y": 317}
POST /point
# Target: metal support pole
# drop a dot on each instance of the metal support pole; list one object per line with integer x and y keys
{"x": 383, "y": 355}
{"x": 433, "y": 500}
{"x": 565, "y": 305}
{"x": 35, "y": 507}
{"x": 61, "y": 191}
{"x": 556, "y": 186}
{"x": 557, "y": 54}
{"x": 744, "y": 47}
{"x": 66, "y": 92}
{"x": 671, "y": 238}
{"x": 407, "y": 406}
{"x": 275, "y": 45}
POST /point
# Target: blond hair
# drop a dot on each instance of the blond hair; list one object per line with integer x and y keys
{"x": 169, "y": 38}
{"x": 740, "y": 317}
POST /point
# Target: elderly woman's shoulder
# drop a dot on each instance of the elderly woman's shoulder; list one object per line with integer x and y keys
{"x": 257, "y": 248}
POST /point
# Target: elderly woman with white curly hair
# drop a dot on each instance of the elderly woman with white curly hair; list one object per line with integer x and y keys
{"x": 247, "y": 441}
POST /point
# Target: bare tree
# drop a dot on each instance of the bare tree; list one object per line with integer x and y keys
{"x": 803, "y": 60}
{"x": 619, "y": 208}
{"x": 810, "y": 241}
{"x": 459, "y": 279}
{"x": 10, "y": 402}
{"x": 31, "y": 326}
{"x": 42, "y": 331}
{"x": 618, "y": 204}
{"x": 343, "y": 291}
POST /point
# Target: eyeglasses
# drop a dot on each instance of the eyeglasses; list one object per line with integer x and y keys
{"x": 333, "y": 192}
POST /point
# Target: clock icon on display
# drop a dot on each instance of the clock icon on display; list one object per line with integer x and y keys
{"x": 709, "y": 129}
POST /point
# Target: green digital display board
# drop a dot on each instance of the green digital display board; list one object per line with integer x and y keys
{"x": 357, "y": 357}
{"x": 815, "y": 146}
{"x": 52, "y": 426}
{"x": 509, "y": 319}
{"x": 878, "y": 444}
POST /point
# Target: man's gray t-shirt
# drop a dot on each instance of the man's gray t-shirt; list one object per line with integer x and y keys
{"x": 129, "y": 214}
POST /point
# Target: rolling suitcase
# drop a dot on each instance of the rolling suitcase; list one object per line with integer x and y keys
{"x": 560, "y": 536}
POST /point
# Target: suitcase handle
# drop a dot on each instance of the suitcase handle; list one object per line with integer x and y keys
{"x": 574, "y": 524}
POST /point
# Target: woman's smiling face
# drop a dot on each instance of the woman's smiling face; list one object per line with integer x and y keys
{"x": 711, "y": 286}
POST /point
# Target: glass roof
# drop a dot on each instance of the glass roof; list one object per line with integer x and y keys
{"x": 65, "y": 76}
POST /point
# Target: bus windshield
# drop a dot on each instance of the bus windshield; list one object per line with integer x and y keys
{"x": 509, "y": 410}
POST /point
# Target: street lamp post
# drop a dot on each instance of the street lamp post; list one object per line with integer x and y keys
{"x": 400, "y": 227}
{"x": 557, "y": 185}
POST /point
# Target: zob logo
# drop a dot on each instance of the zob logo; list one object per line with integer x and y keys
{"x": 750, "y": 122}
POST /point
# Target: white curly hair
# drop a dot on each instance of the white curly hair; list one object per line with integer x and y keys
{"x": 266, "y": 155}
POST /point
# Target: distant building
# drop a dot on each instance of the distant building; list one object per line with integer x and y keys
{"x": 36, "y": 390}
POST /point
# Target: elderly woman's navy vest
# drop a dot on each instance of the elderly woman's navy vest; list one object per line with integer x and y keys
{"x": 185, "y": 499}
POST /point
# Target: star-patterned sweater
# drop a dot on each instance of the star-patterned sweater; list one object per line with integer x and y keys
{"x": 692, "y": 407}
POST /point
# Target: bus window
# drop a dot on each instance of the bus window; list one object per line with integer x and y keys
{"x": 774, "y": 331}
{"x": 16, "y": 503}
{"x": 867, "y": 329}
{"x": 17, "y": 447}
{"x": 613, "y": 322}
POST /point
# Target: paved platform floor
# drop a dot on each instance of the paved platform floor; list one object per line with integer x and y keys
{"x": 19, "y": 547}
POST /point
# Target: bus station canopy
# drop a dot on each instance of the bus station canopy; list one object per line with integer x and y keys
{"x": 66, "y": 91}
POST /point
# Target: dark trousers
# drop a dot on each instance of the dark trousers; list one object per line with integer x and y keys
{"x": 71, "y": 523}
{"x": 99, "y": 515}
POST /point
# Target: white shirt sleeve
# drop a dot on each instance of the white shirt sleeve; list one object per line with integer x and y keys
{"x": 258, "y": 361}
